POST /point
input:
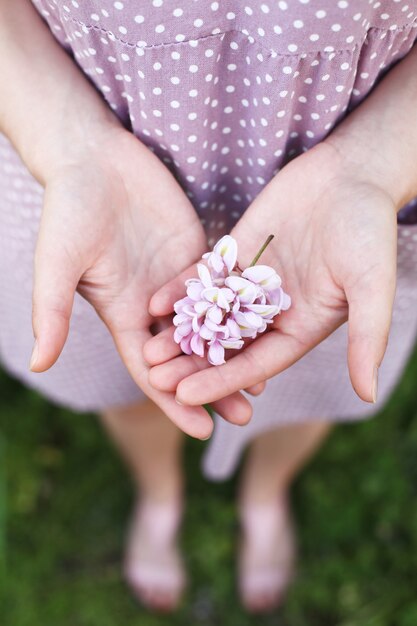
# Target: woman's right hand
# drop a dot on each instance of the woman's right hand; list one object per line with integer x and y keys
{"x": 116, "y": 226}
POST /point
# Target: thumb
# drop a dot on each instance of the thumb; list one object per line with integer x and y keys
{"x": 56, "y": 277}
{"x": 370, "y": 312}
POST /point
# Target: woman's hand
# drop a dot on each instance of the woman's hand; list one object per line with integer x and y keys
{"x": 335, "y": 248}
{"x": 116, "y": 226}
{"x": 333, "y": 211}
{"x": 115, "y": 222}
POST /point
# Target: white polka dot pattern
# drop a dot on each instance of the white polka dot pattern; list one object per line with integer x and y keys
{"x": 225, "y": 93}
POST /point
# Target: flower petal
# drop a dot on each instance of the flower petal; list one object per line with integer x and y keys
{"x": 204, "y": 275}
{"x": 273, "y": 282}
{"x": 189, "y": 310}
{"x": 185, "y": 345}
{"x": 215, "y": 354}
{"x": 262, "y": 274}
{"x": 226, "y": 247}
{"x": 197, "y": 345}
{"x": 183, "y": 329}
{"x": 215, "y": 314}
{"x": 264, "y": 310}
{"x": 210, "y": 294}
{"x": 264, "y": 326}
{"x": 222, "y": 298}
{"x": 196, "y": 324}
{"x": 279, "y": 298}
{"x": 249, "y": 332}
{"x": 179, "y": 304}
{"x": 194, "y": 289}
{"x": 206, "y": 333}
{"x": 231, "y": 344}
{"x": 201, "y": 307}
{"x": 177, "y": 336}
{"x": 212, "y": 326}
{"x": 229, "y": 294}
{"x": 180, "y": 318}
{"x": 216, "y": 262}
{"x": 234, "y": 329}
{"x": 223, "y": 332}
{"x": 245, "y": 289}
{"x": 219, "y": 296}
{"x": 248, "y": 320}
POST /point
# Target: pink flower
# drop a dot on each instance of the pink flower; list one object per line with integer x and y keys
{"x": 223, "y": 256}
{"x": 224, "y": 305}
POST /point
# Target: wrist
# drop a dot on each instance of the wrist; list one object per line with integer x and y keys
{"x": 67, "y": 140}
{"x": 49, "y": 109}
{"x": 380, "y": 163}
{"x": 379, "y": 138}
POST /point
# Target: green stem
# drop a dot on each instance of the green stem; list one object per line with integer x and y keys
{"x": 262, "y": 250}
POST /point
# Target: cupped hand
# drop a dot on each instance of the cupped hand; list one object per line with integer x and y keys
{"x": 116, "y": 226}
{"x": 335, "y": 249}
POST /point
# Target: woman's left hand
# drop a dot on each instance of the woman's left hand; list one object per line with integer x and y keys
{"x": 335, "y": 249}
{"x": 333, "y": 211}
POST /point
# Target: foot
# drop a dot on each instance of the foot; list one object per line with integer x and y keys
{"x": 267, "y": 554}
{"x": 153, "y": 567}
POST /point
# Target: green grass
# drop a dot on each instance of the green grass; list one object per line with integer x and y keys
{"x": 65, "y": 500}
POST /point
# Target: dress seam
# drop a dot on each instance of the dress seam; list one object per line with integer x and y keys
{"x": 271, "y": 51}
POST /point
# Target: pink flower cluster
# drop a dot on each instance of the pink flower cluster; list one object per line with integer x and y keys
{"x": 225, "y": 305}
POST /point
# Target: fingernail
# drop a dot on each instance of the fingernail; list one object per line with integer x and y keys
{"x": 34, "y": 356}
{"x": 178, "y": 402}
{"x": 205, "y": 438}
{"x": 375, "y": 385}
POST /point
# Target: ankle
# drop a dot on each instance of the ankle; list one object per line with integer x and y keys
{"x": 266, "y": 498}
{"x": 161, "y": 497}
{"x": 167, "y": 491}
{"x": 159, "y": 521}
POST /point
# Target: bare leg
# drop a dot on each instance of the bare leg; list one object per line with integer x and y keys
{"x": 267, "y": 549}
{"x": 152, "y": 447}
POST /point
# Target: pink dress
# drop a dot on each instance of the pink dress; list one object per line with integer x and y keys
{"x": 225, "y": 93}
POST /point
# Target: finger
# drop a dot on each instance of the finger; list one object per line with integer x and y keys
{"x": 235, "y": 409}
{"x": 56, "y": 276}
{"x": 370, "y": 312}
{"x": 167, "y": 376}
{"x": 161, "y": 347}
{"x": 170, "y": 365}
{"x": 162, "y": 302}
{"x": 194, "y": 421}
{"x": 370, "y": 309}
{"x": 160, "y": 324}
{"x": 264, "y": 358}
{"x": 256, "y": 390}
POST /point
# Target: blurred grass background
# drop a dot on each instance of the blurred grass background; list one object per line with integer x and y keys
{"x": 65, "y": 500}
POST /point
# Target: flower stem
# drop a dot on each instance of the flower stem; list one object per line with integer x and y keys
{"x": 262, "y": 250}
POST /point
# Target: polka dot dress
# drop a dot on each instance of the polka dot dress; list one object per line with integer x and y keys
{"x": 225, "y": 94}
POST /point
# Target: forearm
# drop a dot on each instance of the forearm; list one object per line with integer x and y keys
{"x": 380, "y": 135}
{"x": 47, "y": 106}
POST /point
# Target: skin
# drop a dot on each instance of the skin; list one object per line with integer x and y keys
{"x": 108, "y": 234}
{"x": 333, "y": 211}
{"x": 105, "y": 231}
{"x": 335, "y": 250}
{"x": 81, "y": 149}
